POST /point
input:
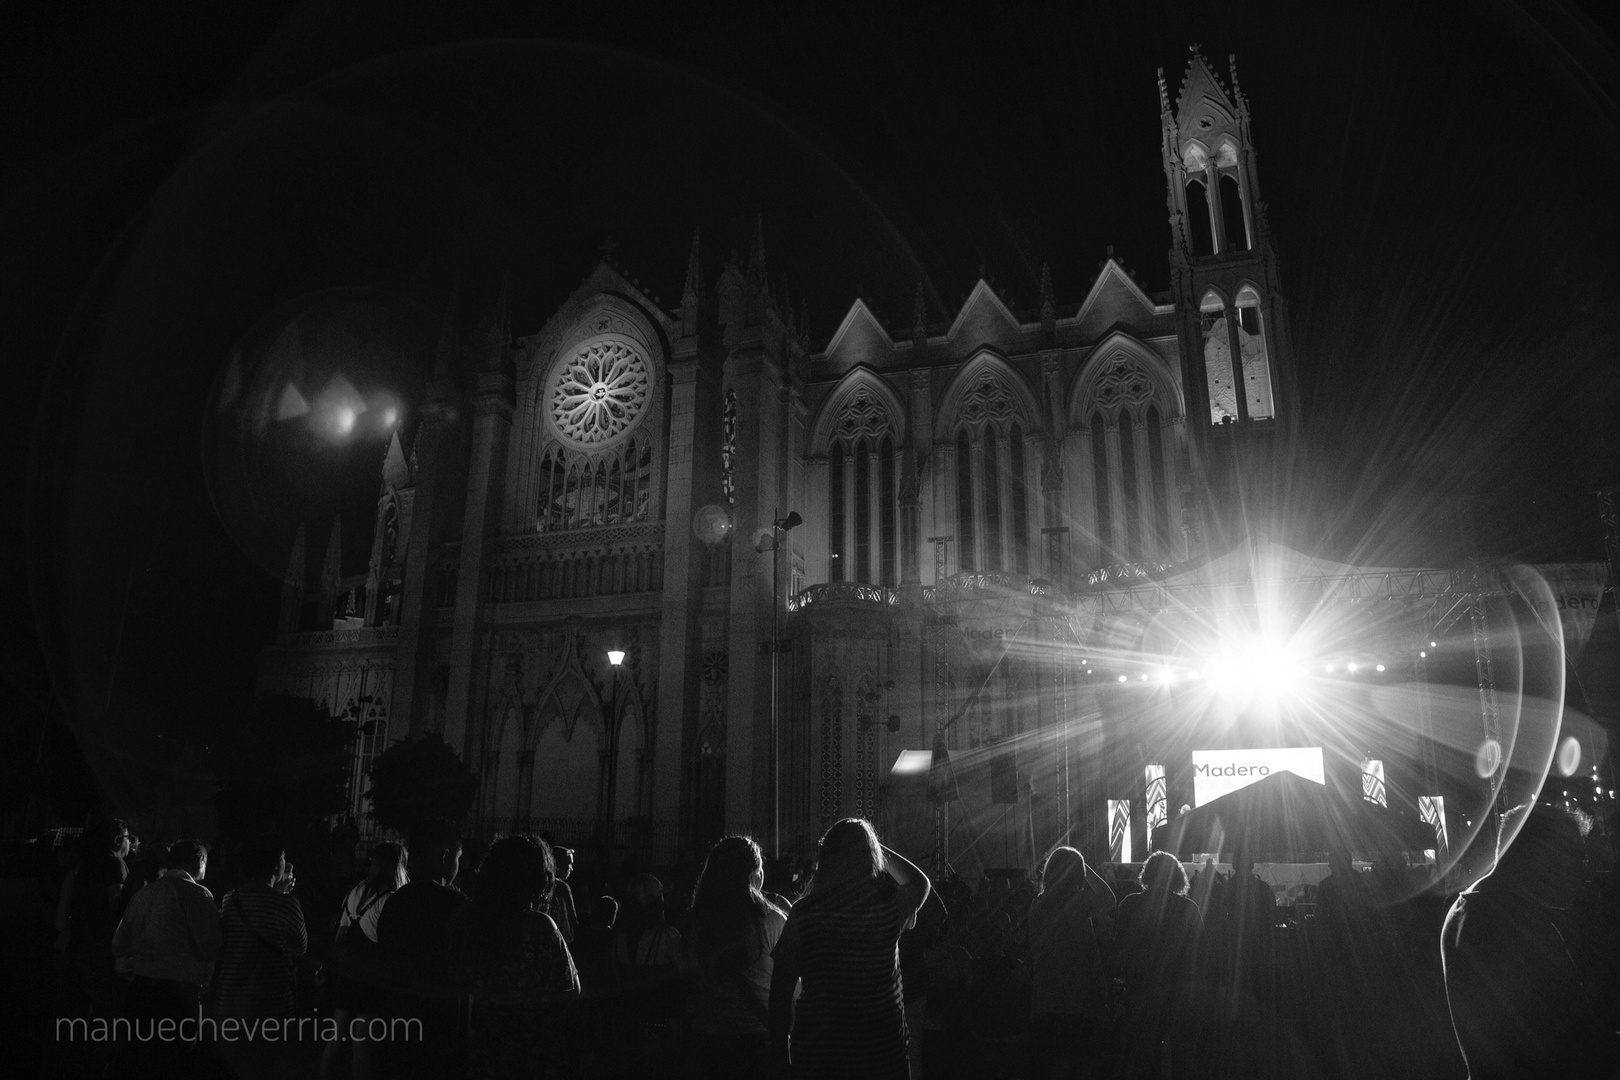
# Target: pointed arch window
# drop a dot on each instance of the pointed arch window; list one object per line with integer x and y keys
{"x": 863, "y": 512}
{"x": 888, "y": 515}
{"x": 1020, "y": 500}
{"x": 992, "y": 502}
{"x": 1234, "y": 227}
{"x": 1251, "y": 335}
{"x": 862, "y": 495}
{"x": 835, "y": 513}
{"x": 582, "y": 490}
{"x": 1132, "y": 468}
{"x": 1099, "y": 487}
{"x": 1212, "y": 321}
{"x": 1161, "y": 485}
{"x": 964, "y": 501}
{"x": 1130, "y": 504}
{"x": 1200, "y": 230}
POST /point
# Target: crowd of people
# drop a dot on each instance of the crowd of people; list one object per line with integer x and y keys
{"x": 447, "y": 958}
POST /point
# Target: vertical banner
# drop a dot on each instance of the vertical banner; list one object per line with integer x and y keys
{"x": 1372, "y": 782}
{"x": 1119, "y": 830}
{"x": 1432, "y": 808}
{"x": 1158, "y": 805}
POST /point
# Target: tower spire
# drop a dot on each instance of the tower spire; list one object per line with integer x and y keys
{"x": 331, "y": 575}
{"x": 756, "y": 251}
{"x": 919, "y": 322}
{"x": 493, "y": 337}
{"x": 692, "y": 293}
{"x": 1048, "y": 305}
{"x": 292, "y": 586}
{"x": 757, "y": 288}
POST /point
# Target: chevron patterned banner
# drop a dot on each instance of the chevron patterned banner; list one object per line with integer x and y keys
{"x": 1372, "y": 782}
{"x": 1158, "y": 805}
{"x": 1119, "y": 830}
{"x": 1432, "y": 808}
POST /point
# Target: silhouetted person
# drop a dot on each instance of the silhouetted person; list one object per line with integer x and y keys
{"x": 91, "y": 893}
{"x": 726, "y": 962}
{"x": 262, "y": 926}
{"x": 262, "y": 929}
{"x": 559, "y": 900}
{"x": 841, "y": 940}
{"x": 1248, "y": 910}
{"x": 593, "y": 947}
{"x": 1517, "y": 1003}
{"x": 513, "y": 958}
{"x": 1156, "y": 942}
{"x": 145, "y": 866}
{"x": 166, "y": 945}
{"x": 413, "y": 941}
{"x": 355, "y": 977}
{"x": 1201, "y": 888}
{"x": 1069, "y": 987}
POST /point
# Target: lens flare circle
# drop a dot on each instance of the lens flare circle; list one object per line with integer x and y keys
{"x": 1569, "y": 756}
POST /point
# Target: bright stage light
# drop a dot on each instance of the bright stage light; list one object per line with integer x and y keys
{"x": 913, "y": 763}
{"x": 1254, "y": 666}
{"x": 343, "y": 421}
{"x": 1432, "y": 645}
{"x": 1380, "y": 667}
{"x": 1123, "y": 678}
{"x": 1351, "y": 667}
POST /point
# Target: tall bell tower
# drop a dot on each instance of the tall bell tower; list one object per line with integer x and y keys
{"x": 1237, "y": 365}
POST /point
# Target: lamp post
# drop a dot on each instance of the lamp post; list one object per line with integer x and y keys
{"x": 615, "y": 660}
{"x": 779, "y": 526}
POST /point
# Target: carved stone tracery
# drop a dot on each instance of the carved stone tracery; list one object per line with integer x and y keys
{"x": 863, "y": 415}
{"x": 599, "y": 393}
{"x": 1123, "y": 382}
{"x": 990, "y": 399}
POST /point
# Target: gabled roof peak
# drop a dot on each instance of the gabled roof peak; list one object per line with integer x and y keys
{"x": 1199, "y": 81}
{"x": 859, "y": 316}
{"x": 1113, "y": 276}
{"x": 982, "y": 296}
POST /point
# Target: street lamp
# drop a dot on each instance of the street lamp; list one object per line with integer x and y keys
{"x": 773, "y": 544}
{"x": 615, "y": 660}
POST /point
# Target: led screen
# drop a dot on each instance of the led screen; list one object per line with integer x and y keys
{"x": 1221, "y": 772}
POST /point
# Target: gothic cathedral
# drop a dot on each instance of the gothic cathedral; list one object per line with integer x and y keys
{"x": 659, "y": 575}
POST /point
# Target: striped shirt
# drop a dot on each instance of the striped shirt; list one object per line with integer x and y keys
{"x": 850, "y": 1018}
{"x": 264, "y": 933}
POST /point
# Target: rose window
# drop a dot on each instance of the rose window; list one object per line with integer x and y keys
{"x": 599, "y": 392}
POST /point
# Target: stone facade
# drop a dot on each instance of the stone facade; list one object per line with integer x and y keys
{"x": 611, "y": 482}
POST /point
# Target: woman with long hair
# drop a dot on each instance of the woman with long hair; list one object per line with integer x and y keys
{"x": 731, "y": 931}
{"x": 842, "y": 942}
{"x": 1156, "y": 933}
{"x": 1068, "y": 986}
{"x": 352, "y": 970}
{"x": 513, "y": 958}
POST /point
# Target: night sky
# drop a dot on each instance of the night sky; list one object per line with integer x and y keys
{"x": 179, "y": 180}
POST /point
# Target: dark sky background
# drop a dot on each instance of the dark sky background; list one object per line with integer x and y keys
{"x": 178, "y": 180}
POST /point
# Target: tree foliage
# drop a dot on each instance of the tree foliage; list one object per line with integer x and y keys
{"x": 282, "y": 764}
{"x": 416, "y": 781}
